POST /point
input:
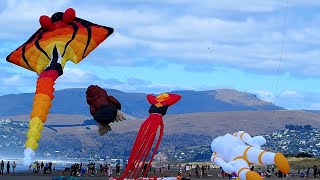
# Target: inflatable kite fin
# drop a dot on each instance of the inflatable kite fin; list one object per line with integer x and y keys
{"x": 251, "y": 175}
{"x": 282, "y": 163}
{"x": 120, "y": 116}
{"x": 103, "y": 129}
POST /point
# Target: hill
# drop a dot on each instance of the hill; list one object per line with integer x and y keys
{"x": 207, "y": 123}
{"x": 218, "y": 123}
{"x": 73, "y": 101}
{"x": 188, "y": 133}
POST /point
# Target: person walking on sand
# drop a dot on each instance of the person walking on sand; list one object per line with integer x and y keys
{"x": 2, "y": 167}
{"x": 13, "y": 166}
{"x": 8, "y": 168}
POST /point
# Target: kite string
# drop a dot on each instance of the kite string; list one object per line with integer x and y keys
{"x": 280, "y": 59}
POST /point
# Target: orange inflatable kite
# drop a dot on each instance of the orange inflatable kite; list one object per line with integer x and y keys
{"x": 65, "y": 37}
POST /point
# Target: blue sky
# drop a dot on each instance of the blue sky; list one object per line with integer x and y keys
{"x": 175, "y": 44}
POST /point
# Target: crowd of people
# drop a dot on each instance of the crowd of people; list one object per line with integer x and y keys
{"x": 199, "y": 171}
{"x": 91, "y": 169}
{"x": 183, "y": 171}
{"x": 308, "y": 172}
{"x": 8, "y": 167}
{"x": 271, "y": 172}
{"x": 47, "y": 167}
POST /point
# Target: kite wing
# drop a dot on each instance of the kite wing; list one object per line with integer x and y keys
{"x": 74, "y": 38}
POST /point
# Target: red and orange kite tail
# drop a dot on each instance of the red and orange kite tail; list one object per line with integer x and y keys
{"x": 147, "y": 135}
{"x": 41, "y": 105}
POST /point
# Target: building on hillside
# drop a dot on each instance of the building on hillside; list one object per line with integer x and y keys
{"x": 160, "y": 157}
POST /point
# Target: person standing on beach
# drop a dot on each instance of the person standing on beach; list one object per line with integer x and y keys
{"x": 307, "y": 171}
{"x": 2, "y": 167}
{"x": 110, "y": 170}
{"x": 118, "y": 170}
{"x": 315, "y": 171}
{"x": 37, "y": 167}
{"x": 13, "y": 166}
{"x": 202, "y": 171}
{"x": 101, "y": 168}
{"x": 145, "y": 166}
{"x": 8, "y": 167}
{"x": 50, "y": 167}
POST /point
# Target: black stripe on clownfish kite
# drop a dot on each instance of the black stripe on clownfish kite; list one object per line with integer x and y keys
{"x": 147, "y": 134}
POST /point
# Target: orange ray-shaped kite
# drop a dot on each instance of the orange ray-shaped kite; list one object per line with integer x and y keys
{"x": 62, "y": 36}
{"x": 75, "y": 38}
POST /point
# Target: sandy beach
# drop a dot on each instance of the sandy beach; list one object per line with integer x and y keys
{"x": 57, "y": 175}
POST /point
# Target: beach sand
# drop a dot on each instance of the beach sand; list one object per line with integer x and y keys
{"x": 212, "y": 175}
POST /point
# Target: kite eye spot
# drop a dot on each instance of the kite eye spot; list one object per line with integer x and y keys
{"x": 45, "y": 22}
{"x": 69, "y": 15}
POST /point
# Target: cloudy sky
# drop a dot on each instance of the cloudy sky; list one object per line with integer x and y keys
{"x": 182, "y": 44}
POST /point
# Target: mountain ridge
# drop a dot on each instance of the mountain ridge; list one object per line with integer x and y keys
{"x": 73, "y": 101}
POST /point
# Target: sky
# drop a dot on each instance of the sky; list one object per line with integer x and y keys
{"x": 161, "y": 46}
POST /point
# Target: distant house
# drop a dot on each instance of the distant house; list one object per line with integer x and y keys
{"x": 160, "y": 157}
{"x": 302, "y": 142}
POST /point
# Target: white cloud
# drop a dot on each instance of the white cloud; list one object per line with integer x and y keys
{"x": 16, "y": 82}
{"x": 118, "y": 40}
{"x": 314, "y": 106}
{"x": 290, "y": 94}
{"x": 189, "y": 27}
{"x": 215, "y": 5}
{"x": 291, "y": 99}
{"x": 75, "y": 78}
{"x": 16, "y": 23}
{"x": 244, "y": 35}
{"x": 265, "y": 95}
{"x": 79, "y": 73}
{"x": 11, "y": 80}
{"x": 247, "y": 43}
{"x": 122, "y": 19}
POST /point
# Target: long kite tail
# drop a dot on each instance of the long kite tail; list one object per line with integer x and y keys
{"x": 143, "y": 145}
{"x": 135, "y": 148}
{"x": 156, "y": 147}
{"x": 146, "y": 147}
{"x": 40, "y": 110}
